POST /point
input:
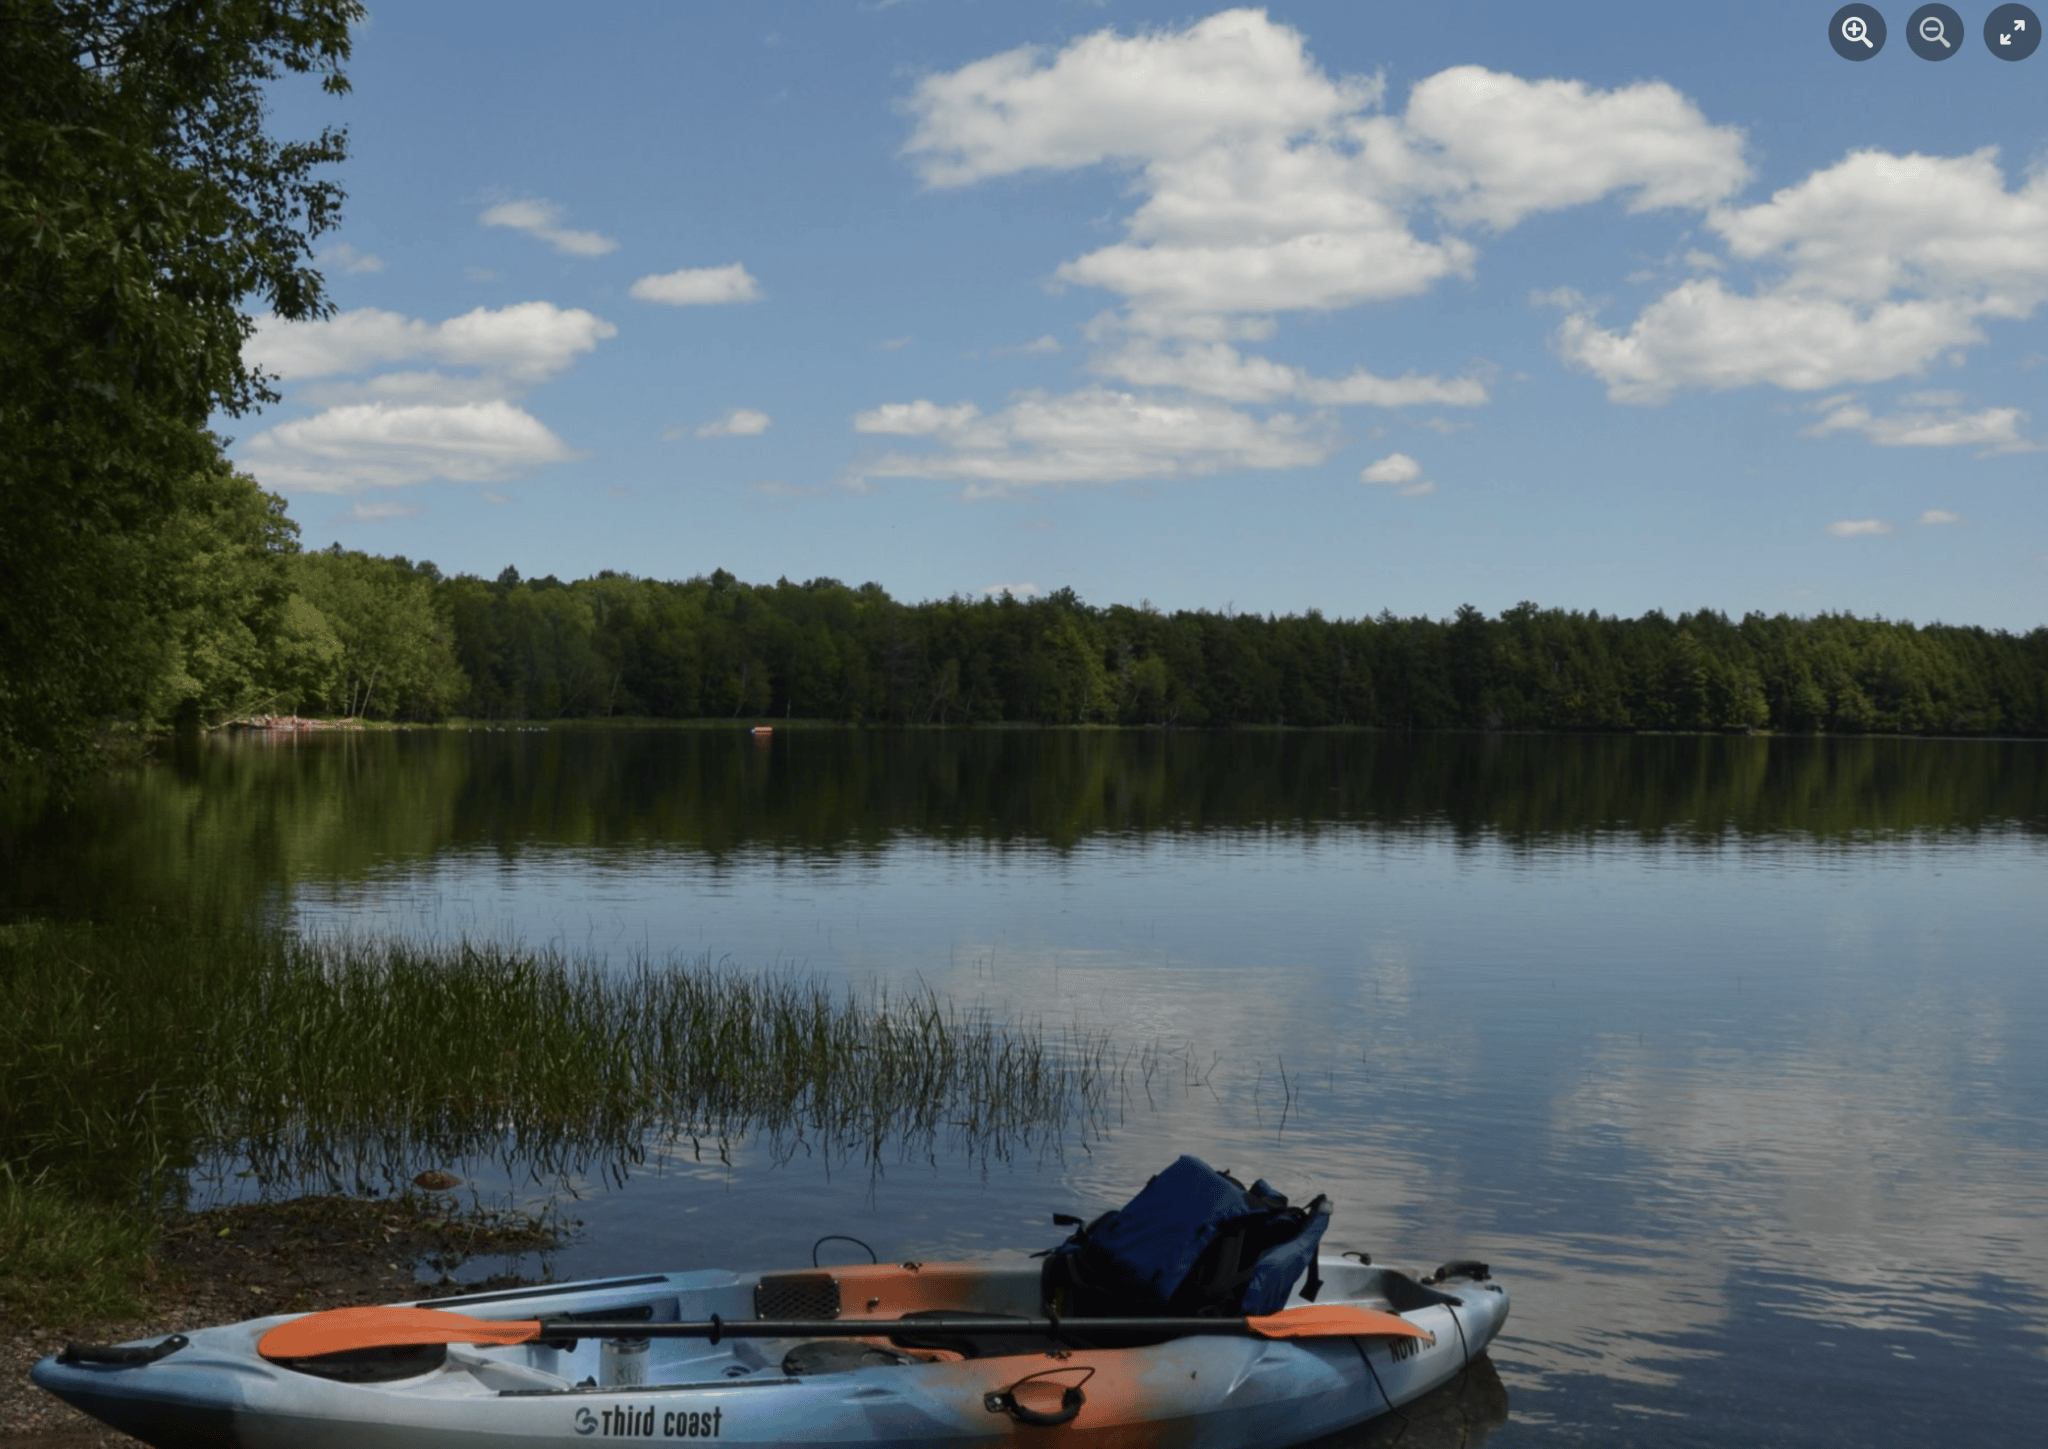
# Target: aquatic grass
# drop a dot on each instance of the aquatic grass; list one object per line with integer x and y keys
{"x": 350, "y": 1063}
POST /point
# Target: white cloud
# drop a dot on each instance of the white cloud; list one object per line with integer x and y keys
{"x": 523, "y": 344}
{"x": 739, "y": 423}
{"x": 1942, "y": 425}
{"x": 1401, "y": 471}
{"x": 1269, "y": 186}
{"x": 1940, "y": 515}
{"x": 1264, "y": 186}
{"x": 1037, "y": 347}
{"x": 1020, "y": 591}
{"x": 399, "y": 427}
{"x": 348, "y": 259}
{"x": 1394, "y": 468}
{"x": 1112, "y": 97}
{"x": 1878, "y": 267}
{"x": 699, "y": 287}
{"x": 915, "y": 419}
{"x": 1859, "y": 528}
{"x": 1702, "y": 335}
{"x": 894, "y": 344}
{"x": 374, "y": 512}
{"x": 1097, "y": 435}
{"x": 376, "y": 445}
{"x": 1216, "y": 369}
{"x": 538, "y": 218}
{"x": 1513, "y": 147}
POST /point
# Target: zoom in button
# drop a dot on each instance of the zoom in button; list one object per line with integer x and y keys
{"x": 1857, "y": 32}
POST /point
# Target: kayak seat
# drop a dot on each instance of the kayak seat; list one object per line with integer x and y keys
{"x": 838, "y": 1356}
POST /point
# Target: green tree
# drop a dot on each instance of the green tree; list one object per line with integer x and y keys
{"x": 143, "y": 208}
{"x": 223, "y": 603}
{"x": 396, "y": 638}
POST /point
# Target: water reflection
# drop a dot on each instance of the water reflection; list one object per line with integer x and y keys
{"x": 236, "y": 824}
{"x": 1731, "y": 1055}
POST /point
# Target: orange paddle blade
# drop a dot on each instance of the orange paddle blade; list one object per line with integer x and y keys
{"x": 1337, "y": 1320}
{"x": 341, "y": 1329}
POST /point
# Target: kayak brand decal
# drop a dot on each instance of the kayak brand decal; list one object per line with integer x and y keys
{"x": 1402, "y": 1348}
{"x": 626, "y": 1421}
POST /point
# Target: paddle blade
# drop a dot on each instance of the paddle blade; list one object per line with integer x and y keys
{"x": 342, "y": 1330}
{"x": 1335, "y": 1320}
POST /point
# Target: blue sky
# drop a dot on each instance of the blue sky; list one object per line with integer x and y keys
{"x": 1339, "y": 306}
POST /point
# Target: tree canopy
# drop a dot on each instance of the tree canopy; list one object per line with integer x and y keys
{"x": 143, "y": 210}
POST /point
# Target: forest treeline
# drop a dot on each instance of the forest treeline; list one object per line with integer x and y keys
{"x": 147, "y": 217}
{"x": 262, "y": 627}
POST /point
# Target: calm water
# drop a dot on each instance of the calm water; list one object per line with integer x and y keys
{"x": 1730, "y": 1055}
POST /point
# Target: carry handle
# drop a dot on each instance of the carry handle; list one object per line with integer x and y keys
{"x": 1005, "y": 1401}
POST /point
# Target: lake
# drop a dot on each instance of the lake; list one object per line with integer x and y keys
{"x": 1730, "y": 1055}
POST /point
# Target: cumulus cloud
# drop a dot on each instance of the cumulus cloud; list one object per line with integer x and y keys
{"x": 349, "y": 260}
{"x": 1098, "y": 435}
{"x": 539, "y": 218}
{"x": 1394, "y": 468}
{"x": 1940, "y": 515}
{"x": 739, "y": 423}
{"x": 1108, "y": 96}
{"x": 1400, "y": 470}
{"x": 1943, "y": 424}
{"x": 374, "y": 512}
{"x": 699, "y": 287}
{"x": 1874, "y": 268}
{"x": 378, "y": 445}
{"x": 1264, "y": 186}
{"x": 1216, "y": 369}
{"x": 1020, "y": 591}
{"x": 398, "y": 426}
{"x": 1509, "y": 148}
{"x": 1859, "y": 528}
{"x": 523, "y": 344}
{"x": 915, "y": 419}
{"x": 1270, "y": 186}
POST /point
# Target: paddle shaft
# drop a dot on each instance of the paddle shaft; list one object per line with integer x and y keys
{"x": 344, "y": 1330}
{"x": 719, "y": 1328}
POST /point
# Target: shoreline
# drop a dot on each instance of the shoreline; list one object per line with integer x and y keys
{"x": 222, "y": 1265}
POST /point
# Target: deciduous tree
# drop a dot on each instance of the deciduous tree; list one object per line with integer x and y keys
{"x": 144, "y": 211}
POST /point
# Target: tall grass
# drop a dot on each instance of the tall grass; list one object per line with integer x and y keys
{"x": 132, "y": 1058}
{"x": 65, "y": 1261}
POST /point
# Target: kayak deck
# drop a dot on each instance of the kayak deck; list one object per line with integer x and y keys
{"x": 913, "y": 1386}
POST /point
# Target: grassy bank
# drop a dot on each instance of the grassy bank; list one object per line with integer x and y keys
{"x": 138, "y": 1059}
{"x": 63, "y": 1260}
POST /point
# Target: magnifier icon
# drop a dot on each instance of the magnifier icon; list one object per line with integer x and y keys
{"x": 1854, "y": 29}
{"x": 1931, "y": 30}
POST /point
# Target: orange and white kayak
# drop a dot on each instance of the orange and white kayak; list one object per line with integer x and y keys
{"x": 902, "y": 1356}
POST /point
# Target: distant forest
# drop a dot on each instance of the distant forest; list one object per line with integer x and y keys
{"x": 354, "y": 634}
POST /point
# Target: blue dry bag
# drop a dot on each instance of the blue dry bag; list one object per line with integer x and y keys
{"x": 1194, "y": 1243}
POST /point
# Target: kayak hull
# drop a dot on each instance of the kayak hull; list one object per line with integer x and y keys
{"x": 939, "y": 1390}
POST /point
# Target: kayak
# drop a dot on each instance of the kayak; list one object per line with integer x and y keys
{"x": 881, "y": 1356}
